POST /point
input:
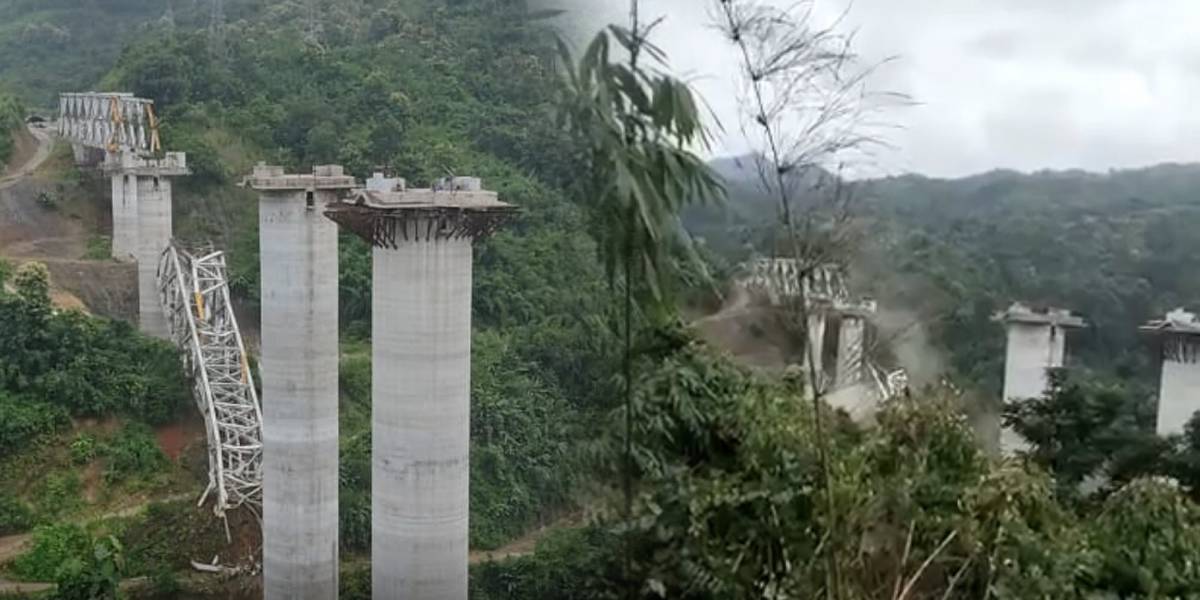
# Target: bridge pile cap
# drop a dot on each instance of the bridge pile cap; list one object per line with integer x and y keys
{"x": 454, "y": 207}
{"x": 1177, "y": 322}
{"x": 1059, "y": 317}
{"x": 171, "y": 164}
{"x": 272, "y": 178}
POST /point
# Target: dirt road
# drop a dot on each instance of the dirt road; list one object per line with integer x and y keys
{"x": 45, "y": 143}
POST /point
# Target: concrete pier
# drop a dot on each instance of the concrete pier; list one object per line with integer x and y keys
{"x": 1036, "y": 343}
{"x": 299, "y": 255}
{"x": 421, "y": 351}
{"x": 124, "y": 216}
{"x": 1179, "y": 391}
{"x": 142, "y": 224}
{"x": 815, "y": 351}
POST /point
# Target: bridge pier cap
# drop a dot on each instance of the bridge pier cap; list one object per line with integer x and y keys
{"x": 272, "y": 178}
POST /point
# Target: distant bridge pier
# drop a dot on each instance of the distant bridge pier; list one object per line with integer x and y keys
{"x": 1037, "y": 342}
{"x": 1179, "y": 391}
{"x": 299, "y": 253}
{"x": 421, "y": 382}
{"x": 142, "y": 224}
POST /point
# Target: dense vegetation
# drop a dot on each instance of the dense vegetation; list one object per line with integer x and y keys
{"x": 58, "y": 364}
{"x": 421, "y": 90}
{"x": 1113, "y": 247}
{"x": 12, "y": 116}
{"x": 729, "y": 484}
{"x": 730, "y": 506}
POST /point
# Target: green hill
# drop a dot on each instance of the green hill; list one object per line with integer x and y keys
{"x": 1114, "y": 246}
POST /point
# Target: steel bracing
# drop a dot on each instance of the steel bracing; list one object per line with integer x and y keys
{"x": 195, "y": 296}
{"x": 109, "y": 121}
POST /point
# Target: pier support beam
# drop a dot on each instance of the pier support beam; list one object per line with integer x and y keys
{"x": 299, "y": 255}
{"x": 421, "y": 387}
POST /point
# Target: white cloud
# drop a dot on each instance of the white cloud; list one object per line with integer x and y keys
{"x": 1023, "y": 84}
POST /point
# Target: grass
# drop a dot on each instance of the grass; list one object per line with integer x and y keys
{"x": 99, "y": 247}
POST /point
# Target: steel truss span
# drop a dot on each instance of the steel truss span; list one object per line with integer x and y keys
{"x": 195, "y": 296}
{"x": 109, "y": 121}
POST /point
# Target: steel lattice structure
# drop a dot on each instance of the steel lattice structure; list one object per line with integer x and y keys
{"x": 113, "y": 122}
{"x": 195, "y": 296}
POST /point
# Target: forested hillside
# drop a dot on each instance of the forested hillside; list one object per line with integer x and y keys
{"x": 421, "y": 91}
{"x": 672, "y": 474}
{"x": 1116, "y": 247}
{"x": 12, "y": 116}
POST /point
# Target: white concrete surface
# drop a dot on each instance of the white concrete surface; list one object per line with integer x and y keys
{"x": 421, "y": 387}
{"x": 154, "y": 223}
{"x": 1033, "y": 349}
{"x": 1179, "y": 394}
{"x": 124, "y": 216}
{"x": 815, "y": 351}
{"x": 299, "y": 254}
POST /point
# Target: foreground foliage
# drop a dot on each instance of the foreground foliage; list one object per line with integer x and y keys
{"x": 731, "y": 505}
{"x": 55, "y": 362}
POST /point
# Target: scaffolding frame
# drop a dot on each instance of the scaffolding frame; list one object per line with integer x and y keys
{"x": 194, "y": 290}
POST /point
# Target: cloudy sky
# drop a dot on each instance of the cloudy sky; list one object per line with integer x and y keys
{"x": 1021, "y": 84}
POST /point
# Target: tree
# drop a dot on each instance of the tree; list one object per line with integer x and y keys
{"x": 807, "y": 106}
{"x": 635, "y": 127}
{"x": 1082, "y": 430}
{"x": 96, "y": 576}
{"x": 32, "y": 283}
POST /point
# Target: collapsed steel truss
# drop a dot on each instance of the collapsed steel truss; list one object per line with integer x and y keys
{"x": 195, "y": 297}
{"x": 109, "y": 121}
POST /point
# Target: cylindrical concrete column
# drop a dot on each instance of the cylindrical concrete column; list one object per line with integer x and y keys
{"x": 153, "y": 235}
{"x": 124, "y": 216}
{"x": 299, "y": 272}
{"x": 421, "y": 349}
{"x": 421, "y": 376}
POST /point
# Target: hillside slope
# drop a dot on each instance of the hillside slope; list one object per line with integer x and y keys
{"x": 1116, "y": 247}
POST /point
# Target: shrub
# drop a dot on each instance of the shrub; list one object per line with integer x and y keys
{"x": 84, "y": 449}
{"x": 60, "y": 494}
{"x": 94, "y": 576}
{"x": 99, "y": 247}
{"x": 133, "y": 452}
{"x": 53, "y": 545}
{"x": 15, "y": 515}
{"x": 22, "y": 421}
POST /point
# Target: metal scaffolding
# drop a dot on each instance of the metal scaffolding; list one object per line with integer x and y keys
{"x": 195, "y": 297}
{"x": 113, "y": 122}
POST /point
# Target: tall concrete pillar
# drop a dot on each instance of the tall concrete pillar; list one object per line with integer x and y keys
{"x": 1179, "y": 390}
{"x": 421, "y": 387}
{"x": 1036, "y": 344}
{"x": 816, "y": 342}
{"x": 299, "y": 255}
{"x": 124, "y": 216}
{"x": 142, "y": 224}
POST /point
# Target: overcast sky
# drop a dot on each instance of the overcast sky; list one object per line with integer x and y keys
{"x": 1021, "y": 84}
